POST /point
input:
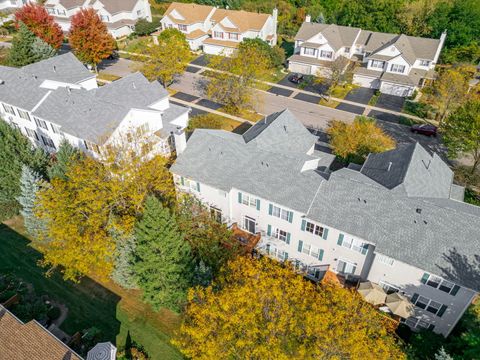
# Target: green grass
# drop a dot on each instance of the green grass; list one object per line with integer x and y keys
{"x": 104, "y": 305}
{"x": 373, "y": 100}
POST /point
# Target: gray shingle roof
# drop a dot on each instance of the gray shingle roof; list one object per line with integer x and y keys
{"x": 337, "y": 35}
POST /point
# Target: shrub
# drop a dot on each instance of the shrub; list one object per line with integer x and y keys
{"x": 145, "y": 27}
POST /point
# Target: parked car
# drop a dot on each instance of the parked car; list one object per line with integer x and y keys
{"x": 296, "y": 78}
{"x": 424, "y": 129}
{"x": 114, "y": 55}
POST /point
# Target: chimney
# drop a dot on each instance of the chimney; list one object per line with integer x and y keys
{"x": 275, "y": 15}
{"x": 308, "y": 18}
{"x": 440, "y": 46}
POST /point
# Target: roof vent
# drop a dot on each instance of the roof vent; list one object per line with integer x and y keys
{"x": 285, "y": 128}
{"x": 134, "y": 86}
{"x": 419, "y": 211}
{"x": 2, "y": 81}
{"x": 54, "y": 68}
{"x": 389, "y": 166}
{"x": 427, "y": 165}
{"x": 425, "y": 222}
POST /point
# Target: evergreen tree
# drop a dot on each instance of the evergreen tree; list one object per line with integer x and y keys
{"x": 123, "y": 273}
{"x": 442, "y": 355}
{"x": 42, "y": 50}
{"x": 65, "y": 156}
{"x": 30, "y": 183}
{"x": 163, "y": 263}
{"x": 21, "y": 52}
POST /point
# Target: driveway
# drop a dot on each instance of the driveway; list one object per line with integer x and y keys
{"x": 202, "y": 60}
{"x": 384, "y": 116}
{"x": 390, "y": 102}
{"x": 360, "y": 95}
{"x": 185, "y": 97}
{"x": 280, "y": 91}
{"x": 119, "y": 67}
{"x": 351, "y": 108}
{"x": 316, "y": 88}
{"x": 308, "y": 98}
{"x": 193, "y": 69}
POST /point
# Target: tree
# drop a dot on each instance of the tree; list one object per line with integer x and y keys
{"x": 15, "y": 151}
{"x": 42, "y": 50}
{"x": 163, "y": 263}
{"x": 65, "y": 156}
{"x": 123, "y": 272}
{"x": 413, "y": 17}
{"x": 260, "y": 309}
{"x": 461, "y": 131}
{"x": 353, "y": 142}
{"x": 335, "y": 73}
{"x": 233, "y": 84}
{"x": 89, "y": 37}
{"x": 30, "y": 183}
{"x": 168, "y": 59}
{"x": 275, "y": 55}
{"x": 41, "y": 23}
{"x": 144, "y": 27}
{"x": 21, "y": 52}
{"x": 449, "y": 92}
{"x": 442, "y": 355}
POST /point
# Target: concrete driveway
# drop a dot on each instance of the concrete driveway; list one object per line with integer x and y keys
{"x": 202, "y": 60}
{"x": 360, "y": 95}
{"x": 390, "y": 102}
{"x": 351, "y": 108}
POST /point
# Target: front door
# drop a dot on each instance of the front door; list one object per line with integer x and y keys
{"x": 249, "y": 224}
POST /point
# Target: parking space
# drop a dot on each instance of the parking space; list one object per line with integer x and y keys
{"x": 186, "y": 97}
{"x": 193, "y": 69}
{"x": 380, "y": 115}
{"x": 308, "y": 98}
{"x": 202, "y": 60}
{"x": 280, "y": 91}
{"x": 360, "y": 95}
{"x": 390, "y": 102}
{"x": 209, "y": 104}
{"x": 311, "y": 86}
{"x": 351, "y": 108}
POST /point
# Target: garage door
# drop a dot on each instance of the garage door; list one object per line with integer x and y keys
{"x": 394, "y": 89}
{"x": 217, "y": 50}
{"x": 366, "y": 82}
{"x": 299, "y": 68}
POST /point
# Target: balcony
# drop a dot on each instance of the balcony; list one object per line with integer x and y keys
{"x": 246, "y": 239}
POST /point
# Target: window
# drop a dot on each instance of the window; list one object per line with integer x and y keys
{"x": 352, "y": 244}
{"x": 61, "y": 12}
{"x": 40, "y": 123}
{"x": 280, "y": 235}
{"x": 182, "y": 27}
{"x": 326, "y": 54}
{"x": 377, "y": 64}
{"x": 306, "y": 249}
{"x": 249, "y": 224}
{"x": 51, "y": 11}
{"x": 233, "y": 36}
{"x": 416, "y": 323}
{"x": 15, "y": 125}
{"x": 23, "y": 114}
{"x": 389, "y": 289}
{"x": 139, "y": 12}
{"x": 429, "y": 305}
{"x": 32, "y": 133}
{"x": 397, "y": 68}
{"x": 385, "y": 259}
{"x": 216, "y": 214}
{"x": 309, "y": 51}
{"x": 314, "y": 229}
{"x": 218, "y": 34}
{"x": 48, "y": 142}
{"x": 104, "y": 17}
{"x": 9, "y": 109}
{"x": 280, "y": 213}
{"x": 440, "y": 284}
{"x": 421, "y": 302}
{"x": 347, "y": 50}
{"x": 345, "y": 267}
{"x": 55, "y": 129}
{"x": 193, "y": 185}
{"x": 424, "y": 63}
{"x": 249, "y": 200}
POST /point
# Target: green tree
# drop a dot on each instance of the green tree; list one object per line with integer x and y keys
{"x": 336, "y": 72}
{"x": 15, "y": 151}
{"x": 144, "y": 27}
{"x": 461, "y": 131}
{"x": 65, "y": 157}
{"x": 30, "y": 183}
{"x": 275, "y": 55}
{"x": 22, "y": 52}
{"x": 42, "y": 50}
{"x": 442, "y": 355}
{"x": 163, "y": 262}
{"x": 123, "y": 271}
{"x": 167, "y": 59}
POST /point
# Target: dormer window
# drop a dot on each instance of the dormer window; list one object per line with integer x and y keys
{"x": 309, "y": 51}
{"x": 377, "y": 64}
{"x": 347, "y": 50}
{"x": 397, "y": 68}
{"x": 218, "y": 34}
{"x": 326, "y": 54}
{"x": 424, "y": 62}
{"x": 182, "y": 27}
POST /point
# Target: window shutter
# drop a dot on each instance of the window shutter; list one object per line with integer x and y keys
{"x": 300, "y": 245}
{"x": 258, "y": 204}
{"x": 325, "y": 234}
{"x": 455, "y": 290}
{"x": 320, "y": 255}
{"x": 414, "y": 298}
{"x": 340, "y": 239}
{"x": 364, "y": 249}
{"x": 286, "y": 256}
{"x": 290, "y": 216}
{"x": 288, "y": 238}
{"x": 442, "y": 310}
{"x": 425, "y": 278}
{"x": 270, "y": 209}
{"x": 269, "y": 230}
{"x": 182, "y": 180}
{"x": 304, "y": 224}
{"x": 239, "y": 197}
{"x": 198, "y": 186}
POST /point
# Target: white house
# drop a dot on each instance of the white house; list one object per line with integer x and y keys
{"x": 395, "y": 64}
{"x": 60, "y": 100}
{"x": 120, "y": 16}
{"x": 398, "y": 221}
{"x": 13, "y": 4}
{"x": 219, "y": 31}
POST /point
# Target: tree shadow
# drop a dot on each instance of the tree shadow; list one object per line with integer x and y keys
{"x": 462, "y": 269}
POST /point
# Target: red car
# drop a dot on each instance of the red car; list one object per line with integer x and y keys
{"x": 424, "y": 129}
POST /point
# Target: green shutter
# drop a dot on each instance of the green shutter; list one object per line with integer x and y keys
{"x": 286, "y": 256}
{"x": 425, "y": 278}
{"x": 198, "y": 186}
{"x": 290, "y": 216}
{"x": 300, "y": 245}
{"x": 239, "y": 197}
{"x": 325, "y": 234}
{"x": 182, "y": 180}
{"x": 258, "y": 204}
{"x": 269, "y": 230}
{"x": 270, "y": 209}
{"x": 364, "y": 249}
{"x": 320, "y": 255}
{"x": 414, "y": 298}
{"x": 288, "y": 238}
{"x": 442, "y": 310}
{"x": 455, "y": 290}
{"x": 304, "y": 224}
{"x": 340, "y": 239}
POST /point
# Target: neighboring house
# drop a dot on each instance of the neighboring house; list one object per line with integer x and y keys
{"x": 13, "y": 4}
{"x": 394, "y": 221}
{"x": 120, "y": 16}
{"x": 60, "y": 100}
{"x": 394, "y": 64}
{"x": 30, "y": 341}
{"x": 219, "y": 31}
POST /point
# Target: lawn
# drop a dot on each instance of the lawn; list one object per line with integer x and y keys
{"x": 102, "y": 304}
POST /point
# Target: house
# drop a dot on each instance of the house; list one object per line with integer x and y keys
{"x": 219, "y": 31}
{"x": 394, "y": 64}
{"x": 30, "y": 341}
{"x": 13, "y": 4}
{"x": 120, "y": 16}
{"x": 61, "y": 101}
{"x": 398, "y": 221}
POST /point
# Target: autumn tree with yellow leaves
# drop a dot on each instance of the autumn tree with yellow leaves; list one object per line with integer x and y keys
{"x": 94, "y": 198}
{"x": 260, "y": 309}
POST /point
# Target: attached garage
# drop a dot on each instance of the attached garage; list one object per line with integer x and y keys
{"x": 300, "y": 68}
{"x": 396, "y": 89}
{"x": 366, "y": 81}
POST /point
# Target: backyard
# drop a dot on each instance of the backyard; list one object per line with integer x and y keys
{"x": 102, "y": 304}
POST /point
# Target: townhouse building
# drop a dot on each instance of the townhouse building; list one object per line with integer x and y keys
{"x": 398, "y": 220}
{"x": 58, "y": 99}
{"x": 394, "y": 64}
{"x": 219, "y": 31}
{"x": 120, "y": 16}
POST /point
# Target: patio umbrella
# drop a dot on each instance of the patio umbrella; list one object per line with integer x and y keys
{"x": 400, "y": 305}
{"x": 372, "y": 293}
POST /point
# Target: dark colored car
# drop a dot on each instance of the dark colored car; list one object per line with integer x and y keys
{"x": 114, "y": 55}
{"x": 424, "y": 129}
{"x": 295, "y": 78}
